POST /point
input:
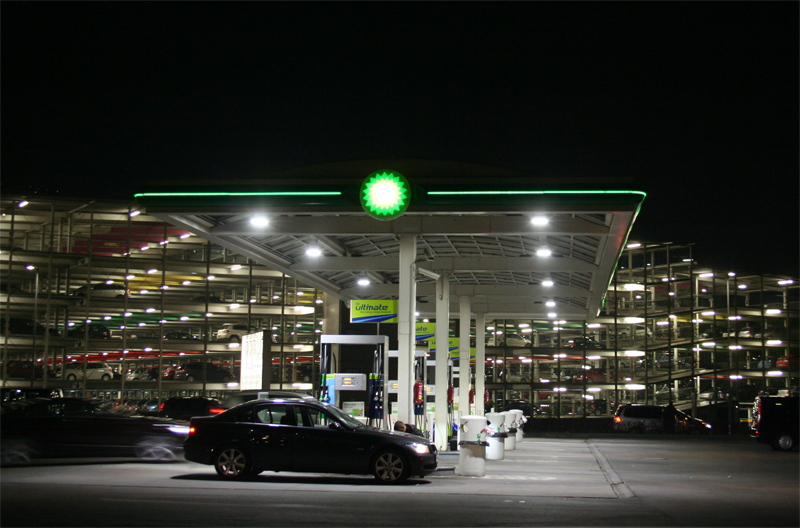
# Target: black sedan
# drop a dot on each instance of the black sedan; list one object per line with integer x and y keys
{"x": 72, "y": 427}
{"x": 304, "y": 436}
{"x": 197, "y": 371}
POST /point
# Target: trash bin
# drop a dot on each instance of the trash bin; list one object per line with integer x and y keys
{"x": 510, "y": 440}
{"x": 472, "y": 447}
{"x": 519, "y": 421}
{"x": 496, "y": 450}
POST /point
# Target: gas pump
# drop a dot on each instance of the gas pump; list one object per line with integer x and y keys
{"x": 375, "y": 410}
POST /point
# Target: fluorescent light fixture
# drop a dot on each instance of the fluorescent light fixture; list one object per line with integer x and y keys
{"x": 785, "y": 282}
{"x": 708, "y": 314}
{"x": 163, "y": 243}
{"x": 633, "y": 245}
{"x": 594, "y": 325}
{"x": 543, "y": 252}
{"x": 550, "y": 303}
{"x": 775, "y": 373}
{"x": 142, "y": 324}
{"x": 705, "y": 275}
{"x": 634, "y": 386}
{"x": 736, "y": 376}
{"x": 186, "y": 283}
{"x": 185, "y": 236}
{"x": 662, "y": 323}
{"x": 234, "y": 306}
{"x": 526, "y": 330}
{"x": 142, "y": 292}
{"x": 363, "y": 281}
{"x": 300, "y": 293}
{"x": 547, "y": 282}
{"x": 23, "y": 203}
{"x": 735, "y": 347}
{"x": 259, "y": 221}
{"x": 184, "y": 318}
{"x": 130, "y": 277}
{"x": 774, "y": 342}
{"x": 210, "y": 277}
{"x": 633, "y": 320}
{"x": 144, "y": 248}
{"x": 552, "y": 315}
{"x": 731, "y": 274}
{"x": 164, "y": 287}
{"x": 151, "y": 271}
{"x": 253, "y": 301}
{"x": 30, "y": 267}
{"x": 127, "y": 314}
{"x": 109, "y": 282}
{"x": 556, "y": 356}
{"x": 742, "y": 286}
{"x": 559, "y": 389}
{"x": 634, "y": 287}
{"x": 634, "y": 353}
{"x": 773, "y": 311}
{"x": 540, "y": 220}
{"x": 593, "y": 358}
{"x": 735, "y": 318}
{"x": 233, "y": 345}
{"x": 709, "y": 344}
{"x": 135, "y": 213}
{"x": 209, "y": 314}
{"x": 150, "y": 310}
{"x": 314, "y": 251}
{"x": 523, "y": 325}
{"x": 148, "y": 349}
{"x": 106, "y": 318}
{"x": 236, "y": 267}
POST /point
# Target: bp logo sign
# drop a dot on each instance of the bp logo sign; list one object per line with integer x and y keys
{"x": 385, "y": 195}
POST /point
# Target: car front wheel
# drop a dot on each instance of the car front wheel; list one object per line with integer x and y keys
{"x": 72, "y": 377}
{"x": 232, "y": 463}
{"x": 390, "y": 467}
{"x": 105, "y": 377}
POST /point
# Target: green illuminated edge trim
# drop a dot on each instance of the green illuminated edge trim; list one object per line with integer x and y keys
{"x": 296, "y": 193}
{"x": 533, "y": 192}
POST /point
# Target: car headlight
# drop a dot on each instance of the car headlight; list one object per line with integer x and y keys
{"x": 420, "y": 449}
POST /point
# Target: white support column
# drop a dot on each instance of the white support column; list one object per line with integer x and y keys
{"x": 442, "y": 358}
{"x": 464, "y": 352}
{"x": 406, "y": 327}
{"x": 480, "y": 363}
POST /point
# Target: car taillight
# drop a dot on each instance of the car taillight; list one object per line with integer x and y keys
{"x": 216, "y": 410}
{"x": 161, "y": 407}
{"x": 192, "y": 430}
{"x": 617, "y": 419}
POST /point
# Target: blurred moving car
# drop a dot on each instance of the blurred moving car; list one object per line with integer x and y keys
{"x": 718, "y": 394}
{"x": 186, "y": 408}
{"x": 304, "y": 436}
{"x": 238, "y": 398}
{"x": 179, "y": 336}
{"x": 72, "y": 427}
{"x": 687, "y": 424}
{"x": 195, "y": 372}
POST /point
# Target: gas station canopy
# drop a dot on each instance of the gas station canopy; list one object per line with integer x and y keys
{"x": 512, "y": 242}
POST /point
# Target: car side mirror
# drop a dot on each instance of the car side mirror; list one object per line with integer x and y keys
{"x": 335, "y": 425}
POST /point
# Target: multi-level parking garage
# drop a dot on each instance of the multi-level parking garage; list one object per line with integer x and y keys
{"x": 595, "y": 324}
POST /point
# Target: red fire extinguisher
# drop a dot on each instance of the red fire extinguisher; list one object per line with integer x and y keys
{"x": 450, "y": 395}
{"x": 471, "y": 396}
{"x": 486, "y": 397}
{"x": 418, "y": 392}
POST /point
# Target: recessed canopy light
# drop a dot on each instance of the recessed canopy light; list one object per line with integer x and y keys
{"x": 743, "y": 286}
{"x": 259, "y": 221}
{"x": 130, "y": 277}
{"x": 23, "y": 203}
{"x": 363, "y": 282}
{"x": 547, "y": 283}
{"x": 109, "y": 282}
{"x": 550, "y": 303}
{"x": 151, "y": 271}
{"x": 236, "y": 267}
{"x": 30, "y": 267}
{"x": 543, "y": 252}
{"x": 144, "y": 248}
{"x": 210, "y": 277}
{"x": 135, "y": 213}
{"x": 186, "y": 283}
{"x": 313, "y": 251}
{"x": 540, "y": 220}
{"x": 185, "y": 235}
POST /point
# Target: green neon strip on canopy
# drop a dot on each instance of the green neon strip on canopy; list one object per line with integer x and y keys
{"x": 296, "y": 193}
{"x": 534, "y": 192}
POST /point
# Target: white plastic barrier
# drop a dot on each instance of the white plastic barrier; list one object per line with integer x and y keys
{"x": 519, "y": 418}
{"x": 511, "y": 439}
{"x": 472, "y": 446}
{"x": 496, "y": 450}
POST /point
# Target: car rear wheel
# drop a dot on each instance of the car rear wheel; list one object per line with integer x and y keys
{"x": 234, "y": 339}
{"x": 783, "y": 442}
{"x": 389, "y": 467}
{"x": 232, "y": 463}
{"x": 105, "y": 377}
{"x": 72, "y": 377}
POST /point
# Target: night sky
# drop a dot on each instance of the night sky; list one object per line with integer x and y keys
{"x": 697, "y": 102}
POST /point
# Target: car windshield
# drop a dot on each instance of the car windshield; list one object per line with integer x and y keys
{"x": 342, "y": 416}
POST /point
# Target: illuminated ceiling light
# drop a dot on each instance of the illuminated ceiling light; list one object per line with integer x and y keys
{"x": 593, "y": 358}
{"x": 773, "y": 311}
{"x": 543, "y": 252}
{"x": 106, "y": 318}
{"x": 708, "y": 314}
{"x": 142, "y": 324}
{"x": 252, "y": 301}
{"x": 735, "y": 347}
{"x": 385, "y": 195}
{"x": 163, "y": 243}
{"x": 540, "y": 220}
{"x": 425, "y": 320}
{"x": 735, "y": 318}
{"x": 523, "y": 325}
{"x": 236, "y": 267}
{"x": 234, "y": 306}
{"x": 526, "y": 330}
{"x": 633, "y": 245}
{"x": 774, "y": 373}
{"x": 314, "y": 251}
{"x": 499, "y": 332}
{"x": 150, "y": 310}
{"x": 672, "y": 294}
{"x": 151, "y": 271}
{"x": 163, "y": 321}
{"x": 731, "y": 274}
{"x": 148, "y": 349}
{"x": 276, "y": 296}
{"x": 210, "y": 277}
{"x": 550, "y": 303}
{"x": 209, "y": 314}
{"x": 736, "y": 376}
{"x": 490, "y": 328}
{"x": 593, "y": 389}
{"x": 319, "y": 301}
{"x": 774, "y": 342}
{"x": 559, "y": 389}
{"x": 259, "y": 221}
{"x": 634, "y": 287}
{"x": 697, "y": 321}
{"x": 135, "y": 213}
{"x": 186, "y": 283}
{"x": 742, "y": 286}
{"x": 634, "y": 386}
{"x": 127, "y": 314}
{"x": 665, "y": 279}
{"x": 88, "y": 321}
{"x": 144, "y": 248}
{"x": 30, "y": 267}
{"x": 363, "y": 281}
{"x": 633, "y": 320}
{"x": 785, "y": 282}
{"x": 547, "y": 283}
{"x": 709, "y": 344}
{"x": 706, "y": 275}
{"x": 109, "y": 282}
{"x": 184, "y": 318}
{"x": 552, "y": 315}
{"x": 673, "y": 316}
{"x": 634, "y": 353}
{"x": 300, "y": 293}
{"x": 662, "y": 323}
{"x": 594, "y": 325}
{"x": 233, "y": 345}
{"x": 23, "y": 203}
{"x": 297, "y": 347}
{"x": 142, "y": 292}
{"x": 130, "y": 277}
{"x": 185, "y": 236}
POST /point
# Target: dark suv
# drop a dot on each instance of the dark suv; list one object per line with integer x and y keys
{"x": 776, "y": 421}
{"x": 96, "y": 331}
{"x": 185, "y": 408}
{"x": 194, "y": 372}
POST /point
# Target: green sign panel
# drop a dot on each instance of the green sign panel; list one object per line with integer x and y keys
{"x": 385, "y": 195}
{"x": 370, "y": 311}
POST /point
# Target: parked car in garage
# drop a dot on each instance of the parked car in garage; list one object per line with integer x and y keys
{"x": 195, "y": 372}
{"x": 584, "y": 342}
{"x": 186, "y": 408}
{"x": 72, "y": 427}
{"x": 102, "y": 290}
{"x": 142, "y": 374}
{"x": 234, "y": 332}
{"x": 179, "y": 336}
{"x": 592, "y": 375}
{"x": 26, "y": 370}
{"x": 26, "y": 327}
{"x": 94, "y": 370}
{"x": 96, "y": 331}
{"x": 304, "y": 436}
{"x": 711, "y": 394}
